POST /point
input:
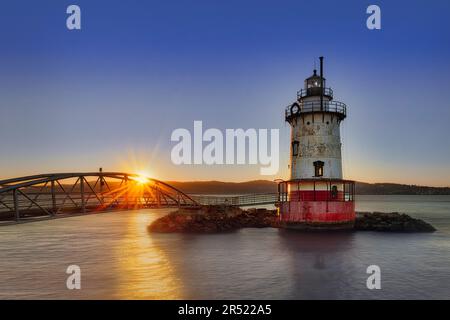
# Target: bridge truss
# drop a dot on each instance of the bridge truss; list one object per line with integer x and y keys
{"x": 26, "y": 198}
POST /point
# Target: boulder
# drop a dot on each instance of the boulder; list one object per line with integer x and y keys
{"x": 392, "y": 221}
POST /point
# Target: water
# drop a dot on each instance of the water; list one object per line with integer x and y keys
{"x": 119, "y": 259}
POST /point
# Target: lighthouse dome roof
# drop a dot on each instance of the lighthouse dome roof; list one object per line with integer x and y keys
{"x": 314, "y": 76}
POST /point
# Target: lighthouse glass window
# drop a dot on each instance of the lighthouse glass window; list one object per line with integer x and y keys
{"x": 318, "y": 168}
{"x": 314, "y": 82}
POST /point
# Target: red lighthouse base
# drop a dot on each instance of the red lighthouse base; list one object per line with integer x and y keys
{"x": 317, "y": 204}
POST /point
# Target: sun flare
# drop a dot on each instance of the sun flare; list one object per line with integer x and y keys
{"x": 140, "y": 179}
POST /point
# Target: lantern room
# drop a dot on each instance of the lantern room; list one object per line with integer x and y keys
{"x": 313, "y": 85}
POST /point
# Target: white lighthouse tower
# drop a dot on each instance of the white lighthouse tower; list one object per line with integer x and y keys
{"x": 316, "y": 196}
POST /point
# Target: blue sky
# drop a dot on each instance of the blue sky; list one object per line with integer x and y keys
{"x": 111, "y": 94}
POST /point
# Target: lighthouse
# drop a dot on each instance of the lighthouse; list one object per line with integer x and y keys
{"x": 316, "y": 196}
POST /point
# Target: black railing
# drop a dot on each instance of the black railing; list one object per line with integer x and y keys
{"x": 241, "y": 200}
{"x": 314, "y": 91}
{"x": 298, "y": 108}
{"x": 292, "y": 190}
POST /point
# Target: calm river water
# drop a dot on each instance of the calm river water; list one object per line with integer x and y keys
{"x": 119, "y": 259}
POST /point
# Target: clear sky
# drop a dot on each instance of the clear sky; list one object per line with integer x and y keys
{"x": 111, "y": 94}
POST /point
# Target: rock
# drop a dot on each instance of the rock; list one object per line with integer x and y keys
{"x": 211, "y": 219}
{"x": 390, "y": 222}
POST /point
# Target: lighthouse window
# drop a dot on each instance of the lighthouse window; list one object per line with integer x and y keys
{"x": 334, "y": 192}
{"x": 295, "y": 148}
{"x": 313, "y": 82}
{"x": 318, "y": 168}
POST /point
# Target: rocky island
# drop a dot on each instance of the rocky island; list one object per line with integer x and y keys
{"x": 212, "y": 219}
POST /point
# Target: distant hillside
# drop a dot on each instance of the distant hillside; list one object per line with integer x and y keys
{"x": 394, "y": 188}
{"x": 265, "y": 186}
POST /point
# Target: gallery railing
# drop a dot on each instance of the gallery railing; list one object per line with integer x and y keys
{"x": 302, "y": 93}
{"x": 297, "y": 108}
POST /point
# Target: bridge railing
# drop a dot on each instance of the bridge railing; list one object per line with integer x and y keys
{"x": 237, "y": 200}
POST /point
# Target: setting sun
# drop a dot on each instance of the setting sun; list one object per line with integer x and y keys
{"x": 140, "y": 179}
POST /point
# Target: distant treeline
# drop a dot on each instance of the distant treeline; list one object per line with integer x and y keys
{"x": 265, "y": 186}
{"x": 394, "y": 188}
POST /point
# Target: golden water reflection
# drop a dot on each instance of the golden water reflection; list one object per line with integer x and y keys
{"x": 144, "y": 270}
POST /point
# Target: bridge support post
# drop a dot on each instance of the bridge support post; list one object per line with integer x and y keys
{"x": 102, "y": 183}
{"x": 127, "y": 199}
{"x": 83, "y": 205}
{"x": 16, "y": 205}
{"x": 53, "y": 198}
{"x": 158, "y": 197}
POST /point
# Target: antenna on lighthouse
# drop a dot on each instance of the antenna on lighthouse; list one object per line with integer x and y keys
{"x": 321, "y": 83}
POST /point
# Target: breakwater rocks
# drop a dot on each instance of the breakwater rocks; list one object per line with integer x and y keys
{"x": 212, "y": 219}
{"x": 390, "y": 222}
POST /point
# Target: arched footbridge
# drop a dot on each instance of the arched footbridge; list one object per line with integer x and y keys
{"x": 60, "y": 194}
